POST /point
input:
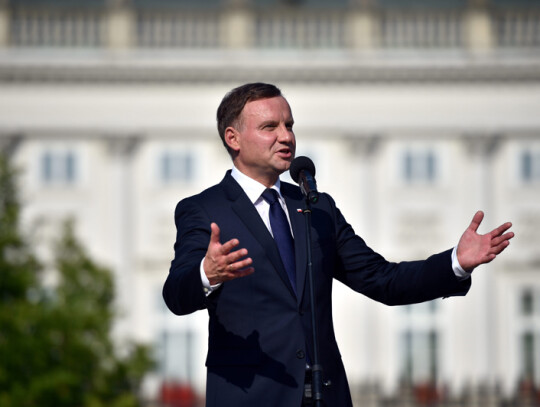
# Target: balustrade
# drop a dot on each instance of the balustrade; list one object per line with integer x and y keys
{"x": 276, "y": 28}
{"x": 57, "y": 28}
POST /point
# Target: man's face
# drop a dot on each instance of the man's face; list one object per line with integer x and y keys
{"x": 265, "y": 140}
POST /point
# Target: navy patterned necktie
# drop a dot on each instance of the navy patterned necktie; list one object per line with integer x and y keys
{"x": 282, "y": 234}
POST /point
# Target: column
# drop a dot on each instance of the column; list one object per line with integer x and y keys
{"x": 479, "y": 31}
{"x": 362, "y": 327}
{"x": 363, "y": 32}
{"x": 237, "y": 25}
{"x": 122, "y": 149}
{"x": 364, "y": 149}
{"x": 481, "y": 149}
{"x": 121, "y": 25}
{"x": 4, "y": 24}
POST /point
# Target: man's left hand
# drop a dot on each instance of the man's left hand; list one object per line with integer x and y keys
{"x": 474, "y": 249}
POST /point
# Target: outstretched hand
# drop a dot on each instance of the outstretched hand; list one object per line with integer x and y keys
{"x": 221, "y": 263}
{"x": 474, "y": 249}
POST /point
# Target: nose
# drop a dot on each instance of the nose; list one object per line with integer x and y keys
{"x": 285, "y": 134}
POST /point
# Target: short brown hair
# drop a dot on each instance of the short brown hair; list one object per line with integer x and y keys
{"x": 234, "y": 101}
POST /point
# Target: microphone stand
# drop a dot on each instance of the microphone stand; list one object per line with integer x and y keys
{"x": 316, "y": 368}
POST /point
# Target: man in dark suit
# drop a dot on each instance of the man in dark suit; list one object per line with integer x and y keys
{"x": 230, "y": 260}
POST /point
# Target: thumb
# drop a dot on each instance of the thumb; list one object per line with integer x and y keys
{"x": 476, "y": 220}
{"x": 215, "y": 233}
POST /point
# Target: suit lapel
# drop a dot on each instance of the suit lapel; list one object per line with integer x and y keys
{"x": 246, "y": 211}
{"x": 295, "y": 201}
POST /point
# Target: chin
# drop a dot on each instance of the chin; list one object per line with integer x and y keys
{"x": 286, "y": 167}
{"x": 283, "y": 165}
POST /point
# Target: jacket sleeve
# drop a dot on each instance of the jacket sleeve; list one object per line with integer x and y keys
{"x": 369, "y": 273}
{"x": 183, "y": 290}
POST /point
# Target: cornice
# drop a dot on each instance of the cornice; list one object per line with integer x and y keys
{"x": 303, "y": 68}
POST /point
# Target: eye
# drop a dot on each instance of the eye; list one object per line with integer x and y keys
{"x": 269, "y": 126}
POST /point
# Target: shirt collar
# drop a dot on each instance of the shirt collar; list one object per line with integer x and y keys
{"x": 252, "y": 188}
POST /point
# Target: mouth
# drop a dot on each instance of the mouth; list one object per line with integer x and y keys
{"x": 285, "y": 153}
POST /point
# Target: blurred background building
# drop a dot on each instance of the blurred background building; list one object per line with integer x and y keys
{"x": 416, "y": 113}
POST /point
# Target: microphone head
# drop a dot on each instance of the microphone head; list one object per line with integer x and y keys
{"x": 300, "y": 164}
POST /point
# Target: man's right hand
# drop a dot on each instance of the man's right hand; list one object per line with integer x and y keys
{"x": 221, "y": 264}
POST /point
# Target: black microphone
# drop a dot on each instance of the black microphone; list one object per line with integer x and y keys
{"x": 302, "y": 171}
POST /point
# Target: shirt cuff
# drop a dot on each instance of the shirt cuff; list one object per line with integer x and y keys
{"x": 207, "y": 287}
{"x": 458, "y": 270}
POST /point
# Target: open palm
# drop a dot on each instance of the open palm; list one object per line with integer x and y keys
{"x": 475, "y": 249}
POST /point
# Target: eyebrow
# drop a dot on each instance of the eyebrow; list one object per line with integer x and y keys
{"x": 276, "y": 122}
{"x": 269, "y": 122}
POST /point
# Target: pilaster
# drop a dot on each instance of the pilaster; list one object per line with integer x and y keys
{"x": 120, "y": 23}
{"x": 237, "y": 26}
{"x": 5, "y": 22}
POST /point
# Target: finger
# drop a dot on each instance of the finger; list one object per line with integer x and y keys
{"x": 476, "y": 220}
{"x": 238, "y": 269}
{"x": 499, "y": 248}
{"x": 238, "y": 273}
{"x": 244, "y": 272}
{"x": 501, "y": 229}
{"x": 214, "y": 233}
{"x": 498, "y": 240}
{"x": 237, "y": 265}
{"x": 228, "y": 246}
{"x": 232, "y": 257}
{"x": 240, "y": 265}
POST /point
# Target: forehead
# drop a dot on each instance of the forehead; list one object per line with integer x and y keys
{"x": 276, "y": 107}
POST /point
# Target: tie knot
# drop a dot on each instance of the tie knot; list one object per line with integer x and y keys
{"x": 270, "y": 195}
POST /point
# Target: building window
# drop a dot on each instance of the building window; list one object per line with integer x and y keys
{"x": 529, "y": 337}
{"x": 176, "y": 166}
{"x": 420, "y": 343}
{"x": 175, "y": 352}
{"x": 527, "y": 301}
{"x": 419, "y": 166}
{"x": 420, "y": 351}
{"x": 529, "y": 356}
{"x": 59, "y": 167}
{"x": 530, "y": 166}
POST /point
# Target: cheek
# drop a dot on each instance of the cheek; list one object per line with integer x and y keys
{"x": 266, "y": 144}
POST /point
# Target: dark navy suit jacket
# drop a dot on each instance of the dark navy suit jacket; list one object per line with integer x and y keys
{"x": 259, "y": 331}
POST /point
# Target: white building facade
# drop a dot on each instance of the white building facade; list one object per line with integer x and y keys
{"x": 415, "y": 116}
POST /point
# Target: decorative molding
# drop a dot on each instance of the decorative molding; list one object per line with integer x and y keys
{"x": 10, "y": 143}
{"x": 482, "y": 145}
{"x": 124, "y": 145}
{"x": 366, "y": 145}
{"x": 341, "y": 70}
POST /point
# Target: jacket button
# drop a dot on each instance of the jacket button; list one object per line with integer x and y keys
{"x": 300, "y": 354}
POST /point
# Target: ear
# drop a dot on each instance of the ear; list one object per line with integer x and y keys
{"x": 232, "y": 138}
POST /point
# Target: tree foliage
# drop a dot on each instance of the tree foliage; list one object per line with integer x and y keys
{"x": 55, "y": 342}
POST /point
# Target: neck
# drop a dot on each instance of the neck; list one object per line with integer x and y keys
{"x": 268, "y": 180}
